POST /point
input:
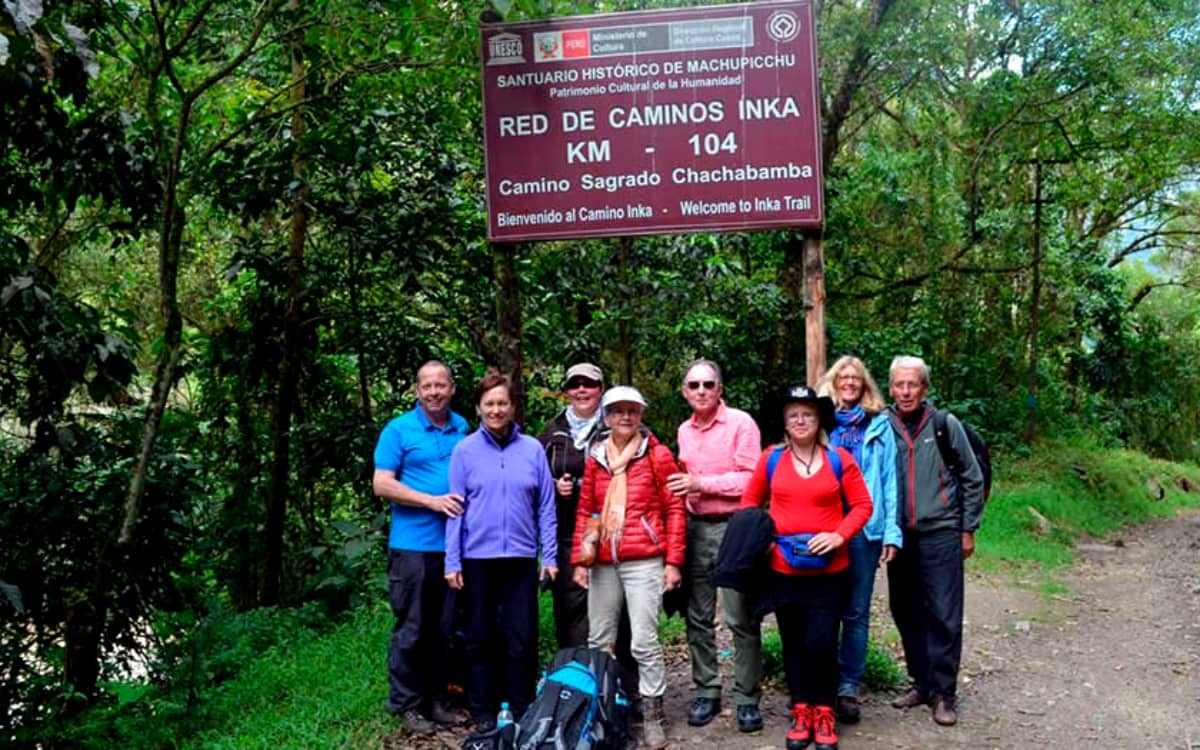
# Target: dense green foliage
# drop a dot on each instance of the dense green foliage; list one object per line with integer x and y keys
{"x": 230, "y": 232}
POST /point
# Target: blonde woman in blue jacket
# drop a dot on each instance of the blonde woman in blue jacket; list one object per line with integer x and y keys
{"x": 863, "y": 429}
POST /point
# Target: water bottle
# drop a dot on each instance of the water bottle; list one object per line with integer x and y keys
{"x": 505, "y": 717}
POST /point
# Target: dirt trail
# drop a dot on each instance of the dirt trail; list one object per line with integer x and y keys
{"x": 1113, "y": 663}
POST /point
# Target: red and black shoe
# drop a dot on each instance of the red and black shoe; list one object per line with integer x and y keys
{"x": 800, "y": 733}
{"x": 824, "y": 728}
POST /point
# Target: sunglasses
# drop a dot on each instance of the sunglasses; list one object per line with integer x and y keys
{"x": 694, "y": 385}
{"x": 582, "y": 383}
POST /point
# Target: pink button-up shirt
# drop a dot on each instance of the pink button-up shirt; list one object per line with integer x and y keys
{"x": 722, "y": 455}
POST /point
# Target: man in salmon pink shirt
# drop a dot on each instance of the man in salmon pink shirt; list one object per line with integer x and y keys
{"x": 718, "y": 449}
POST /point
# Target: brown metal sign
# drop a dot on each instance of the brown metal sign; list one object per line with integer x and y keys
{"x": 684, "y": 120}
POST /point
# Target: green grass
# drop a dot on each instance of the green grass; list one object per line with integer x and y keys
{"x": 327, "y": 691}
{"x": 324, "y": 692}
{"x": 1044, "y": 504}
{"x": 546, "y": 641}
{"x": 882, "y": 672}
{"x": 672, "y": 631}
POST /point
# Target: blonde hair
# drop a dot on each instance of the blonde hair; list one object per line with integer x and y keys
{"x": 871, "y": 399}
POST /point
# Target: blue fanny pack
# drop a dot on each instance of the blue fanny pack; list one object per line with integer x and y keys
{"x": 795, "y": 550}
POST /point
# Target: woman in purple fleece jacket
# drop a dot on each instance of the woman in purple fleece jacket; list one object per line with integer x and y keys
{"x": 492, "y": 551}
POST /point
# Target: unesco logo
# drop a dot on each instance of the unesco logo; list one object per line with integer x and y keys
{"x": 505, "y": 49}
{"x": 783, "y": 26}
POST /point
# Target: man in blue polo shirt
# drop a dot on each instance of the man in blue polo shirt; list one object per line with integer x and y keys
{"x": 412, "y": 467}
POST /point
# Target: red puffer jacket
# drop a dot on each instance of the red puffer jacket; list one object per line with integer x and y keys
{"x": 655, "y": 519}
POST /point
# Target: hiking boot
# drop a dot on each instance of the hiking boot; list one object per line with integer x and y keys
{"x": 749, "y": 718}
{"x": 703, "y": 711}
{"x": 847, "y": 709}
{"x": 635, "y": 716}
{"x": 944, "y": 712}
{"x": 446, "y": 716}
{"x": 914, "y": 697}
{"x": 654, "y": 737}
{"x": 635, "y": 710}
{"x": 416, "y": 723}
{"x": 824, "y": 729}
{"x": 800, "y": 733}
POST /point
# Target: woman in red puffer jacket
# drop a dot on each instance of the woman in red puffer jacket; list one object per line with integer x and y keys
{"x": 630, "y": 534}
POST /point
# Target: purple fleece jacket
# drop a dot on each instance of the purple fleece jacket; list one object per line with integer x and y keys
{"x": 509, "y": 500}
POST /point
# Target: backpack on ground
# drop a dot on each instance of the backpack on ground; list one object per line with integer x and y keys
{"x": 496, "y": 738}
{"x": 983, "y": 455}
{"x": 579, "y": 704}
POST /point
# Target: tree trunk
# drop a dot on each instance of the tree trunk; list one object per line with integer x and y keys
{"x": 360, "y": 351}
{"x": 508, "y": 322}
{"x": 624, "y": 332}
{"x": 780, "y": 350}
{"x": 289, "y": 370}
{"x": 241, "y": 514}
{"x": 803, "y": 273}
{"x": 1034, "y": 304}
{"x": 791, "y": 282}
{"x": 170, "y": 232}
{"x": 83, "y": 630}
{"x": 802, "y": 277}
{"x": 86, "y": 624}
{"x": 853, "y": 79}
{"x": 169, "y": 251}
{"x": 814, "y": 306}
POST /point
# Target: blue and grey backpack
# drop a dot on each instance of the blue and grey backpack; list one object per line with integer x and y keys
{"x": 579, "y": 706}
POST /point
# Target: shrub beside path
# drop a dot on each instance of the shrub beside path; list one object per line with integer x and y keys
{"x": 1114, "y": 662}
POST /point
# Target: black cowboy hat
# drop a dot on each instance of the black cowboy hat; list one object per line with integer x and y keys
{"x": 802, "y": 394}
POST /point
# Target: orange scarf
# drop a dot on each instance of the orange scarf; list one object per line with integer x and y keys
{"x": 612, "y": 518}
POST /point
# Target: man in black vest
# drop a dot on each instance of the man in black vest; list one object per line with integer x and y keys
{"x": 939, "y": 510}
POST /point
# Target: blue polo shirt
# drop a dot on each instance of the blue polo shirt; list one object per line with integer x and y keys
{"x": 419, "y": 453}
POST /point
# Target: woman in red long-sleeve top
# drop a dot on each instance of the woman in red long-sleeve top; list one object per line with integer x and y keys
{"x": 806, "y": 498}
